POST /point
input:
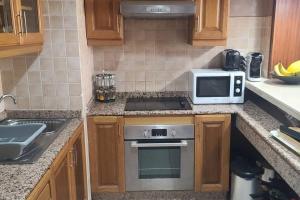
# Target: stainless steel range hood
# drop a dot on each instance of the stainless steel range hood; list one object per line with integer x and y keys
{"x": 157, "y": 9}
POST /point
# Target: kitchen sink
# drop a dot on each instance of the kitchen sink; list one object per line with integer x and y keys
{"x": 34, "y": 148}
{"x": 14, "y": 138}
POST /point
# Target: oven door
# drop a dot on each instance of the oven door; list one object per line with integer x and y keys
{"x": 159, "y": 165}
{"x": 213, "y": 89}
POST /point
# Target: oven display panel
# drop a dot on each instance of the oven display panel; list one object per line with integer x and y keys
{"x": 158, "y": 132}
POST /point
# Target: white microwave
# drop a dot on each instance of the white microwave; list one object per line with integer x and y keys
{"x": 215, "y": 86}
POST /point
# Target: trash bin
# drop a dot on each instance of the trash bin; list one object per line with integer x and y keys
{"x": 244, "y": 179}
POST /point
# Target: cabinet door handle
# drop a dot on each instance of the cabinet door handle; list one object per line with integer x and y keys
{"x": 75, "y": 157}
{"x": 118, "y": 23}
{"x": 71, "y": 159}
{"x": 25, "y": 21}
{"x": 19, "y": 16}
{"x": 197, "y": 20}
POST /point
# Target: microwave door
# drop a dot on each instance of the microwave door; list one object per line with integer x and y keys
{"x": 213, "y": 87}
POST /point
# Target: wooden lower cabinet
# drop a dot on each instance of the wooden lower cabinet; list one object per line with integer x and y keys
{"x": 78, "y": 154}
{"x": 212, "y": 150}
{"x": 66, "y": 178}
{"x": 42, "y": 190}
{"x": 61, "y": 180}
{"x": 106, "y": 143}
{"x": 45, "y": 194}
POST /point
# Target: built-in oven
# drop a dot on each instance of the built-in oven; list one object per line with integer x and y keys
{"x": 159, "y": 157}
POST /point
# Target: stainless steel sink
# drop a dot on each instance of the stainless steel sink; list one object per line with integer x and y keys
{"x": 35, "y": 149}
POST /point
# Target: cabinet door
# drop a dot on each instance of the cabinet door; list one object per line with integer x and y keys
{"x": 104, "y": 24}
{"x": 210, "y": 20}
{"x": 106, "y": 144}
{"x": 79, "y": 167}
{"x": 31, "y": 22}
{"x": 212, "y": 138}
{"x": 45, "y": 194}
{"x": 8, "y": 24}
{"x": 61, "y": 181}
{"x": 286, "y": 36}
{"x": 42, "y": 190}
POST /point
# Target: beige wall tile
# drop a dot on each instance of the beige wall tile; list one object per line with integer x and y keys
{"x": 36, "y": 102}
{"x": 75, "y": 102}
{"x": 47, "y": 80}
{"x": 35, "y": 90}
{"x": 56, "y": 22}
{"x": 63, "y": 102}
{"x": 55, "y": 8}
{"x": 34, "y": 77}
{"x": 49, "y": 90}
{"x": 50, "y": 103}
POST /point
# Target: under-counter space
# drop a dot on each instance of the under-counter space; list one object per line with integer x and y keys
{"x": 284, "y": 96}
{"x": 252, "y": 121}
{"x": 17, "y": 181}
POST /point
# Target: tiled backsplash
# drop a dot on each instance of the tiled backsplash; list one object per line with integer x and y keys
{"x": 51, "y": 79}
{"x": 156, "y": 55}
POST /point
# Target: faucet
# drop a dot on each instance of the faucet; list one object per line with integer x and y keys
{"x": 8, "y": 95}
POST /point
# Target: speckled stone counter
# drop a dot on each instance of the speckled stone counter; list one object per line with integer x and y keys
{"x": 117, "y": 108}
{"x": 17, "y": 181}
{"x": 253, "y": 122}
{"x": 2, "y": 115}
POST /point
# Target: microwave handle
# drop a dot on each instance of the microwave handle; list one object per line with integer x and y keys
{"x": 135, "y": 144}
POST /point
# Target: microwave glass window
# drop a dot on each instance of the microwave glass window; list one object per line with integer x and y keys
{"x": 159, "y": 162}
{"x": 213, "y": 86}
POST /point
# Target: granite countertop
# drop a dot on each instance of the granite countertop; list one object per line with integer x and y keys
{"x": 284, "y": 96}
{"x": 17, "y": 181}
{"x": 252, "y": 121}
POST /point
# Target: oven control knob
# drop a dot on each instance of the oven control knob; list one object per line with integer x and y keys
{"x": 173, "y": 133}
{"x": 238, "y": 82}
{"x": 237, "y": 90}
{"x": 146, "y": 134}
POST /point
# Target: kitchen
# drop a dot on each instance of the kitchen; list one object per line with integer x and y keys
{"x": 97, "y": 151}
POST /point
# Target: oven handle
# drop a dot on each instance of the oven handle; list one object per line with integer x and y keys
{"x": 183, "y": 143}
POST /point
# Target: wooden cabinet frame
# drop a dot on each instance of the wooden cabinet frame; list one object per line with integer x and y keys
{"x": 33, "y": 38}
{"x": 65, "y": 157}
{"x": 19, "y": 42}
{"x": 115, "y": 180}
{"x": 8, "y": 39}
{"x": 112, "y": 35}
{"x": 222, "y": 149}
{"x": 210, "y": 23}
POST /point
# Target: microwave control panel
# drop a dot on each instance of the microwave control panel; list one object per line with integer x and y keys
{"x": 238, "y": 85}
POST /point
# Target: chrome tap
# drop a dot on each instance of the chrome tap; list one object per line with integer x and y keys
{"x": 6, "y": 96}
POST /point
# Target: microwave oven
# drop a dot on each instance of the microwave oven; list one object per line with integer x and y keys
{"x": 215, "y": 86}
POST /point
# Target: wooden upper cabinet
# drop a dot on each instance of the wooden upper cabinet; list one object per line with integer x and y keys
{"x": 106, "y": 144}
{"x": 210, "y": 23}
{"x": 31, "y": 23}
{"x": 212, "y": 138}
{"x": 21, "y": 27}
{"x": 104, "y": 24}
{"x": 8, "y": 23}
{"x": 285, "y": 46}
